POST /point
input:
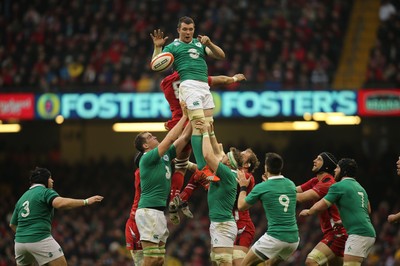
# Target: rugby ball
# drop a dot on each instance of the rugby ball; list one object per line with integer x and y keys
{"x": 162, "y": 61}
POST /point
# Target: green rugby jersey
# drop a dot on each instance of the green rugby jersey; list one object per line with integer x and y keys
{"x": 278, "y": 197}
{"x": 189, "y": 59}
{"x": 352, "y": 201}
{"x": 222, "y": 195}
{"x": 33, "y": 214}
{"x": 155, "y": 178}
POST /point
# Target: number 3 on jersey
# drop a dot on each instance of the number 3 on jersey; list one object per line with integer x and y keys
{"x": 284, "y": 200}
{"x": 26, "y": 209}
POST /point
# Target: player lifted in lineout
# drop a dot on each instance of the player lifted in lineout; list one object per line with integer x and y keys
{"x": 190, "y": 62}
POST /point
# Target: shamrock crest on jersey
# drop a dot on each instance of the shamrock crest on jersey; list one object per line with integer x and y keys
{"x": 194, "y": 53}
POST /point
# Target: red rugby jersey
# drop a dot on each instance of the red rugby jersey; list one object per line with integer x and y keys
{"x": 331, "y": 215}
{"x": 137, "y": 194}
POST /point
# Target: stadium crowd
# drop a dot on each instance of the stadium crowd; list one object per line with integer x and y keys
{"x": 102, "y": 45}
{"x": 384, "y": 64}
{"x": 95, "y": 235}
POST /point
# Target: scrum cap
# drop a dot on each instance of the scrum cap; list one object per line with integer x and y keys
{"x": 329, "y": 164}
{"x": 40, "y": 176}
{"x": 348, "y": 167}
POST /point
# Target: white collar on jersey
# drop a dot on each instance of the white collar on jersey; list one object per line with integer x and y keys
{"x": 37, "y": 185}
{"x": 348, "y": 177}
{"x": 276, "y": 177}
{"x": 177, "y": 40}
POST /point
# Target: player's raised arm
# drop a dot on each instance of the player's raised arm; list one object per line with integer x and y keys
{"x": 208, "y": 152}
{"x": 212, "y": 49}
{"x": 158, "y": 41}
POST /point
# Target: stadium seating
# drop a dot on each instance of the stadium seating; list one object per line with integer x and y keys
{"x": 104, "y": 45}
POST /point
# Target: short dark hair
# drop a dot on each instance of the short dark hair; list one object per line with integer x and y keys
{"x": 274, "y": 163}
{"x": 186, "y": 20}
{"x": 253, "y": 160}
{"x": 139, "y": 141}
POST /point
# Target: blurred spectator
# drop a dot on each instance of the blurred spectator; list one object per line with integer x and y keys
{"x": 145, "y": 83}
{"x": 319, "y": 77}
{"x": 387, "y": 10}
{"x": 128, "y": 84}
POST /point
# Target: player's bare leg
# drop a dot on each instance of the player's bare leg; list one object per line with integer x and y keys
{"x": 153, "y": 254}
{"x": 321, "y": 255}
{"x": 61, "y": 261}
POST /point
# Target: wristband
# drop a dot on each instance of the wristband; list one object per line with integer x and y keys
{"x": 205, "y": 134}
{"x": 243, "y": 188}
{"x": 85, "y": 202}
{"x": 234, "y": 79}
{"x": 212, "y": 134}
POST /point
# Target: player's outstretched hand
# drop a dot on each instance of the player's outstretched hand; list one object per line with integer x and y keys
{"x": 95, "y": 199}
{"x": 158, "y": 38}
{"x": 184, "y": 108}
{"x": 166, "y": 126}
{"x": 201, "y": 126}
{"x": 239, "y": 77}
{"x": 241, "y": 178}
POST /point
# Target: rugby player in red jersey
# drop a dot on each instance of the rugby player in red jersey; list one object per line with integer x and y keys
{"x": 246, "y": 228}
{"x": 132, "y": 237}
{"x": 331, "y": 248}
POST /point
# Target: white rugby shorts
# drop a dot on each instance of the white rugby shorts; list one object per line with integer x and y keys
{"x": 152, "y": 225}
{"x": 196, "y": 94}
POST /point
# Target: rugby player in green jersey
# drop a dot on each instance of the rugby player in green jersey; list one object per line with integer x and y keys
{"x": 155, "y": 183}
{"x": 354, "y": 208}
{"x": 221, "y": 196}
{"x": 190, "y": 62}
{"x": 278, "y": 197}
{"x": 32, "y": 218}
